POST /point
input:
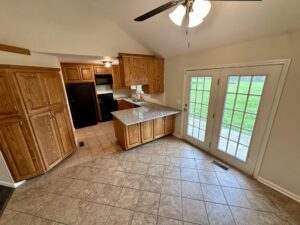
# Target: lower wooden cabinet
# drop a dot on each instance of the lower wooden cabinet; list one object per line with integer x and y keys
{"x": 64, "y": 131}
{"x": 133, "y": 135}
{"x": 136, "y": 134}
{"x": 45, "y": 131}
{"x": 19, "y": 150}
{"x": 159, "y": 127}
{"x": 147, "y": 131}
{"x": 169, "y": 124}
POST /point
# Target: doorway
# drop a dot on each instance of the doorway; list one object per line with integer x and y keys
{"x": 227, "y": 111}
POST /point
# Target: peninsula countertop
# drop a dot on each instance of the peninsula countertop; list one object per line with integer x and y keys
{"x": 146, "y": 111}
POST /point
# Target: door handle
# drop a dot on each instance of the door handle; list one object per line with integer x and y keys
{"x": 185, "y": 107}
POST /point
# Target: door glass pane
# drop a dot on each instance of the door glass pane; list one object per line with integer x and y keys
{"x": 198, "y": 106}
{"x": 242, "y": 101}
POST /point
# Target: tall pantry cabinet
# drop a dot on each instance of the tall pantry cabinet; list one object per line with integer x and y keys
{"x": 35, "y": 128}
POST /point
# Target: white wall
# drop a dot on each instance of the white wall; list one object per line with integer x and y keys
{"x": 66, "y": 27}
{"x": 5, "y": 176}
{"x": 281, "y": 162}
{"x": 35, "y": 59}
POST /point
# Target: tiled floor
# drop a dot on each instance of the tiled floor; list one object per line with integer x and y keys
{"x": 165, "y": 182}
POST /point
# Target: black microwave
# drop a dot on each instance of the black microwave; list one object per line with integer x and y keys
{"x": 103, "y": 79}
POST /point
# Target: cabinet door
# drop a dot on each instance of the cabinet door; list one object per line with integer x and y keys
{"x": 64, "y": 131}
{"x": 32, "y": 91}
{"x": 8, "y": 103}
{"x": 45, "y": 134}
{"x": 169, "y": 124}
{"x": 147, "y": 131}
{"x": 19, "y": 150}
{"x": 102, "y": 70}
{"x": 118, "y": 82}
{"x": 87, "y": 73}
{"x": 133, "y": 135}
{"x": 72, "y": 74}
{"x": 159, "y": 127}
{"x": 53, "y": 87}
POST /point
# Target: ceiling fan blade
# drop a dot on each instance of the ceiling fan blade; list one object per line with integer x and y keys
{"x": 158, "y": 10}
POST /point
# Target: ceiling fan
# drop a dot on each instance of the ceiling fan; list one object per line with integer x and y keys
{"x": 193, "y": 10}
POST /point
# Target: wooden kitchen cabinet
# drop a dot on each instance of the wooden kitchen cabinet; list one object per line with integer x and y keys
{"x": 155, "y": 76}
{"x": 147, "y": 131}
{"x": 143, "y": 70}
{"x": 19, "y": 150}
{"x": 130, "y": 136}
{"x": 122, "y": 104}
{"x": 64, "y": 131}
{"x": 32, "y": 91}
{"x": 102, "y": 70}
{"x": 76, "y": 73}
{"x": 8, "y": 103}
{"x": 37, "y": 133}
{"x": 118, "y": 79}
{"x": 134, "y": 69}
{"x": 87, "y": 73}
{"x": 169, "y": 124}
{"x": 45, "y": 132}
{"x": 159, "y": 127}
{"x": 133, "y": 135}
{"x": 53, "y": 88}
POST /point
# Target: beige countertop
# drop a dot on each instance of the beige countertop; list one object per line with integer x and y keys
{"x": 146, "y": 111}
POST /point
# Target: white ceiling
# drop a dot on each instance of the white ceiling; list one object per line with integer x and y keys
{"x": 227, "y": 23}
{"x": 105, "y": 27}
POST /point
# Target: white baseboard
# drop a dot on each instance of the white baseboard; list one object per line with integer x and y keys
{"x": 12, "y": 185}
{"x": 279, "y": 189}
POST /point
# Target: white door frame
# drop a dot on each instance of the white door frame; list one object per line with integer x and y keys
{"x": 285, "y": 68}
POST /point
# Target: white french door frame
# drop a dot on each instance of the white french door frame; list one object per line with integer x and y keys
{"x": 285, "y": 63}
{"x": 215, "y": 75}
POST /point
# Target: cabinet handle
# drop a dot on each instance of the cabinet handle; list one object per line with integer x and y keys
{"x": 50, "y": 116}
{"x": 21, "y": 123}
{"x": 16, "y": 108}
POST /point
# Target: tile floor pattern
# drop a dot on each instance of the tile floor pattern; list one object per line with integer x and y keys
{"x": 165, "y": 182}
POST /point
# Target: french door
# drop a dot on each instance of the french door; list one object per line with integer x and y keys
{"x": 227, "y": 111}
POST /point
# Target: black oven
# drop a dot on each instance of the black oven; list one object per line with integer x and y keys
{"x": 103, "y": 79}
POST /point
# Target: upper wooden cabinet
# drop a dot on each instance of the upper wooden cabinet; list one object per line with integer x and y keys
{"x": 101, "y": 69}
{"x": 74, "y": 73}
{"x": 40, "y": 90}
{"x": 8, "y": 102}
{"x": 19, "y": 149}
{"x": 54, "y": 89}
{"x": 118, "y": 79}
{"x": 134, "y": 69}
{"x": 155, "y": 76}
{"x": 143, "y": 70}
{"x": 32, "y": 91}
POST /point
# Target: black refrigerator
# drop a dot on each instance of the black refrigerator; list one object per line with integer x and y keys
{"x": 82, "y": 102}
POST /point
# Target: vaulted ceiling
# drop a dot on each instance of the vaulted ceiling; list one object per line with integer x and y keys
{"x": 104, "y": 27}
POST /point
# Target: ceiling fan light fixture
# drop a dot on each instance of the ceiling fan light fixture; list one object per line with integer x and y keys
{"x": 177, "y": 15}
{"x": 202, "y": 8}
{"x": 195, "y": 19}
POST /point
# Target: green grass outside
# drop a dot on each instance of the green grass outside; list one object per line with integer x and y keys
{"x": 235, "y": 103}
